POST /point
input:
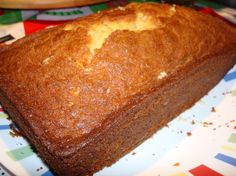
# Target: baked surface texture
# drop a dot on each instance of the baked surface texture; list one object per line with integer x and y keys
{"x": 88, "y": 92}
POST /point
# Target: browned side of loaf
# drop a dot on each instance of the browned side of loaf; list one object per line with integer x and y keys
{"x": 144, "y": 118}
{"x": 88, "y": 92}
{"x": 148, "y": 115}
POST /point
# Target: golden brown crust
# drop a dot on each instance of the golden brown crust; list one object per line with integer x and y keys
{"x": 69, "y": 86}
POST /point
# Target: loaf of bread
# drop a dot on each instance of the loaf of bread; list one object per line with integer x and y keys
{"x": 88, "y": 92}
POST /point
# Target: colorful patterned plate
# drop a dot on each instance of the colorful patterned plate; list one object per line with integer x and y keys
{"x": 200, "y": 142}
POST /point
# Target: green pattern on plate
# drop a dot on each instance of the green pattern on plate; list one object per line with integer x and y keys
{"x": 210, "y": 4}
{"x": 10, "y": 16}
{"x": 232, "y": 138}
{"x": 20, "y": 153}
{"x": 98, "y": 7}
{"x": 233, "y": 92}
{"x": 3, "y": 116}
{"x": 68, "y": 13}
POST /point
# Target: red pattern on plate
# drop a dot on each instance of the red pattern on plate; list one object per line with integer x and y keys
{"x": 32, "y": 26}
{"x": 203, "y": 170}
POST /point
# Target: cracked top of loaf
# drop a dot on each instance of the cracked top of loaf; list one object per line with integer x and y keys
{"x": 69, "y": 81}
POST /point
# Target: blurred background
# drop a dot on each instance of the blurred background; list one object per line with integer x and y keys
{"x": 23, "y": 17}
{"x": 231, "y": 3}
{"x": 47, "y": 4}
